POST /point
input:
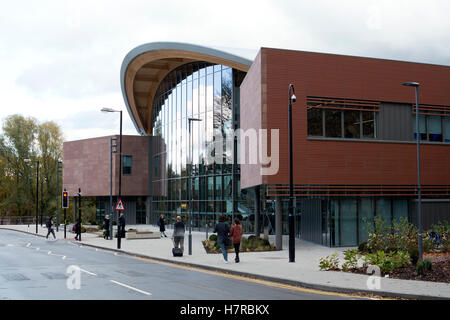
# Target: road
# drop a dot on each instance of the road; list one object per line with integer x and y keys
{"x": 33, "y": 268}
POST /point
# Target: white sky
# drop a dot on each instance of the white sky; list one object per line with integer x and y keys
{"x": 60, "y": 60}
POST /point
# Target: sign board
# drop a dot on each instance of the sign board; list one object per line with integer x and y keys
{"x": 119, "y": 206}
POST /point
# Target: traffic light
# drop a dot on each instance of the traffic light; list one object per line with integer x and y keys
{"x": 65, "y": 199}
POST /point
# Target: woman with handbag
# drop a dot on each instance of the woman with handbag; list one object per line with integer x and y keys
{"x": 223, "y": 229}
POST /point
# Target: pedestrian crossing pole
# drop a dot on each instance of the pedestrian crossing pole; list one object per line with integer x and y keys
{"x": 79, "y": 210}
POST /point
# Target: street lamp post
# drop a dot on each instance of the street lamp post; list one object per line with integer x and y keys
{"x": 58, "y": 171}
{"x": 190, "y": 179}
{"x": 419, "y": 192}
{"x": 110, "y": 187}
{"x": 120, "y": 167}
{"x": 292, "y": 98}
{"x": 37, "y": 191}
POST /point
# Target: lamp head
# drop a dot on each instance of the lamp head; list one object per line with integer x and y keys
{"x": 108, "y": 110}
{"x": 293, "y": 98}
{"x": 411, "y": 84}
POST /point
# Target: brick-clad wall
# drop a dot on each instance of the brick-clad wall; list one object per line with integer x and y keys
{"x": 343, "y": 162}
{"x": 251, "y": 118}
{"x": 87, "y": 166}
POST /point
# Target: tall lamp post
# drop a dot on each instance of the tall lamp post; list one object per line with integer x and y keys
{"x": 37, "y": 191}
{"x": 120, "y": 167}
{"x": 190, "y": 188}
{"x": 112, "y": 145}
{"x": 58, "y": 171}
{"x": 292, "y": 98}
{"x": 419, "y": 192}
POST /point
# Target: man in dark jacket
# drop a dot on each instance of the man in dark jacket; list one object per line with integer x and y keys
{"x": 50, "y": 228}
{"x": 178, "y": 234}
{"x": 223, "y": 229}
{"x": 77, "y": 229}
{"x": 121, "y": 229}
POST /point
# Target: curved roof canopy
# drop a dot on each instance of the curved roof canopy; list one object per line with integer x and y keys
{"x": 146, "y": 66}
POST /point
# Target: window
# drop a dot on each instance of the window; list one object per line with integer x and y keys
{"x": 127, "y": 162}
{"x": 315, "y": 125}
{"x": 368, "y": 124}
{"x": 431, "y": 128}
{"x": 447, "y": 128}
{"x": 352, "y": 124}
{"x": 333, "y": 123}
{"x": 435, "y": 128}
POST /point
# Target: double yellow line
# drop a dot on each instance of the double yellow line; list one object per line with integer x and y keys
{"x": 258, "y": 281}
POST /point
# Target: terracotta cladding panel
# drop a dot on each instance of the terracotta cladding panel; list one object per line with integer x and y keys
{"x": 87, "y": 166}
{"x": 251, "y": 118}
{"x": 338, "y": 162}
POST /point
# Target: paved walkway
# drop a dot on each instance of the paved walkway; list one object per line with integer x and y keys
{"x": 272, "y": 265}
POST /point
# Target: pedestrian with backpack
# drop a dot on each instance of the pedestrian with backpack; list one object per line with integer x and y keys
{"x": 236, "y": 236}
{"x": 49, "y": 225}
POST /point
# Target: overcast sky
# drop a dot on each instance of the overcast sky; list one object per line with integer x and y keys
{"x": 60, "y": 60}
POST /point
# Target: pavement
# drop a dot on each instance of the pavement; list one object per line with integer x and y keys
{"x": 269, "y": 265}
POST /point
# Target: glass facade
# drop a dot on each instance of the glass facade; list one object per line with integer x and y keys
{"x": 208, "y": 93}
{"x": 350, "y": 220}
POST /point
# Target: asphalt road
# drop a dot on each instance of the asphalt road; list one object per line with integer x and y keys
{"x": 33, "y": 268}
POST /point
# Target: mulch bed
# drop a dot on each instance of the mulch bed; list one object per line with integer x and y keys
{"x": 440, "y": 271}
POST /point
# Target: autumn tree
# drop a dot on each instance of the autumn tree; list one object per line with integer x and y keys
{"x": 23, "y": 144}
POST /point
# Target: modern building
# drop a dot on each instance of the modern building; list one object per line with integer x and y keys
{"x": 353, "y": 135}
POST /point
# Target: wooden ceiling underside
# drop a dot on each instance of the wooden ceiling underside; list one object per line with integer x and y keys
{"x": 146, "y": 71}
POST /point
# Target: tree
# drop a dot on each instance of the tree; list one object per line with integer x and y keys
{"x": 16, "y": 145}
{"x": 23, "y": 143}
{"x": 50, "y": 149}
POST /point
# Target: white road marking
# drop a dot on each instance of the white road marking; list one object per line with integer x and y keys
{"x": 85, "y": 271}
{"x": 127, "y": 286}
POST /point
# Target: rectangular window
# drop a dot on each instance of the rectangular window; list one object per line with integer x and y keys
{"x": 315, "y": 123}
{"x": 127, "y": 163}
{"x": 351, "y": 124}
{"x": 422, "y": 127}
{"x": 447, "y": 128}
{"x": 333, "y": 123}
{"x": 435, "y": 128}
{"x": 369, "y": 125}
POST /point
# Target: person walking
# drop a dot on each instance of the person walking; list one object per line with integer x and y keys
{"x": 121, "y": 227}
{"x": 50, "y": 228}
{"x": 77, "y": 229}
{"x": 106, "y": 227}
{"x": 178, "y": 234}
{"x": 223, "y": 229}
{"x": 162, "y": 225}
{"x": 236, "y": 236}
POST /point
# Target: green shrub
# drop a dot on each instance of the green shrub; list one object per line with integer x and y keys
{"x": 387, "y": 262}
{"x": 213, "y": 237}
{"x": 414, "y": 254}
{"x": 363, "y": 247}
{"x": 329, "y": 263}
{"x": 351, "y": 258}
{"x": 428, "y": 264}
{"x": 420, "y": 268}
